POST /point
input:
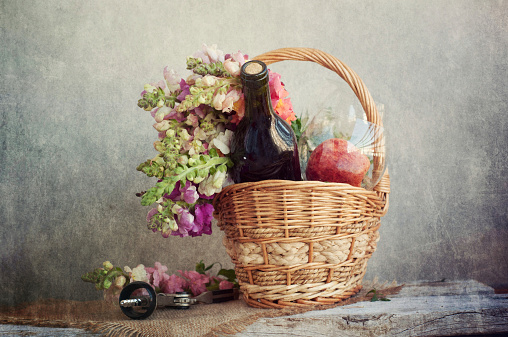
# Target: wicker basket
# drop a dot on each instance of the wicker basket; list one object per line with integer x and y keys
{"x": 303, "y": 243}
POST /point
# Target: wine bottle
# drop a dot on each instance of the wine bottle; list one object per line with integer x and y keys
{"x": 264, "y": 146}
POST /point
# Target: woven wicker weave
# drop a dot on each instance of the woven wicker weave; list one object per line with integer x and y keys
{"x": 303, "y": 243}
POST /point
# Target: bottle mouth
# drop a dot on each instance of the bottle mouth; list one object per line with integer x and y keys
{"x": 254, "y": 72}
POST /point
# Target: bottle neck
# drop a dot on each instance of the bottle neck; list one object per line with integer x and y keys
{"x": 257, "y": 101}
{"x": 255, "y": 79}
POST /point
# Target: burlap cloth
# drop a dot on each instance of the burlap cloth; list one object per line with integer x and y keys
{"x": 200, "y": 320}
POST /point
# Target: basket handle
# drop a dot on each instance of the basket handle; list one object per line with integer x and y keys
{"x": 355, "y": 82}
{"x": 331, "y": 62}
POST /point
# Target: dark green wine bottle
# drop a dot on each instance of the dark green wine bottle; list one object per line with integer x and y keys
{"x": 264, "y": 146}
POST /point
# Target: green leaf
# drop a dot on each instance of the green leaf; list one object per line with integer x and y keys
{"x": 229, "y": 274}
{"x": 296, "y": 125}
{"x": 214, "y": 285}
{"x": 377, "y": 296}
{"x": 200, "y": 267}
{"x": 230, "y": 163}
{"x": 213, "y": 152}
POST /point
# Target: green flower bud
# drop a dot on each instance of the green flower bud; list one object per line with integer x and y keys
{"x": 191, "y": 175}
{"x": 195, "y": 91}
{"x": 159, "y": 146}
{"x": 223, "y": 90}
{"x": 184, "y": 134}
{"x": 183, "y": 160}
{"x": 107, "y": 265}
{"x": 120, "y": 281}
{"x": 106, "y": 284}
{"x": 149, "y": 88}
{"x": 203, "y": 172}
{"x": 222, "y": 168}
{"x": 202, "y": 98}
{"x": 170, "y": 133}
{"x": 213, "y": 153}
{"x": 209, "y": 96}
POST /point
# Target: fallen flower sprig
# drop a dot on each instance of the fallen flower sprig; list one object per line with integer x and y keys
{"x": 195, "y": 282}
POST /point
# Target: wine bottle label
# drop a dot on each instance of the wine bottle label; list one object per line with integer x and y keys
{"x": 253, "y": 68}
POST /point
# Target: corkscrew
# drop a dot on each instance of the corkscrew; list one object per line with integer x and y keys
{"x": 138, "y": 300}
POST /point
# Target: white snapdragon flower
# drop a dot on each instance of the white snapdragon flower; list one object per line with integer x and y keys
{"x": 162, "y": 126}
{"x": 212, "y": 184}
{"x": 209, "y": 80}
{"x": 209, "y": 54}
{"x": 232, "y": 67}
{"x": 218, "y": 99}
{"x": 161, "y": 113}
{"x": 138, "y": 273}
{"x": 213, "y": 53}
{"x": 172, "y": 79}
{"x": 229, "y": 100}
{"x": 223, "y": 141}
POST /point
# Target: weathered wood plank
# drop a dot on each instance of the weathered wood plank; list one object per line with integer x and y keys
{"x": 420, "y": 309}
{"x": 25, "y": 330}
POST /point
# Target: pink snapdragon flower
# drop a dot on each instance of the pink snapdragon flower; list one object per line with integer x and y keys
{"x": 280, "y": 98}
{"x": 185, "y": 90}
{"x": 157, "y": 276}
{"x": 197, "y": 281}
{"x": 185, "y": 221}
{"x": 189, "y": 193}
{"x": 174, "y": 284}
{"x": 239, "y": 107}
{"x": 203, "y": 219}
{"x": 238, "y": 57}
{"x": 225, "y": 284}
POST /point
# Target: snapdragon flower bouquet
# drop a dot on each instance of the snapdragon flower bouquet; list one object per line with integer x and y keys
{"x": 195, "y": 120}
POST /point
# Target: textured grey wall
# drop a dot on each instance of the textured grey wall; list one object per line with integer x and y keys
{"x": 72, "y": 135}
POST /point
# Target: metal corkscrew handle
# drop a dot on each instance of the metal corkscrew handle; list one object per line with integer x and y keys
{"x": 138, "y": 307}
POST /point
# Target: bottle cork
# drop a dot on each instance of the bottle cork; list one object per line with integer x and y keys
{"x": 253, "y": 68}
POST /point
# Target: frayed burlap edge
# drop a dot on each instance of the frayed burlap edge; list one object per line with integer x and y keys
{"x": 105, "y": 328}
{"x": 234, "y": 326}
